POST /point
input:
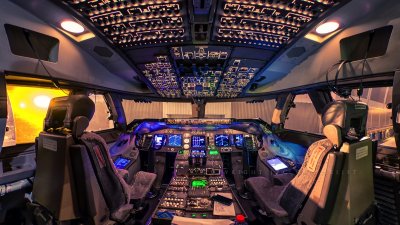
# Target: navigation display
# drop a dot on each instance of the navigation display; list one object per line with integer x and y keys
{"x": 238, "y": 140}
{"x": 198, "y": 141}
{"x": 222, "y": 140}
{"x": 159, "y": 140}
{"x": 175, "y": 140}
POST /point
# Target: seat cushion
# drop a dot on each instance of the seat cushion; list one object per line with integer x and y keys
{"x": 142, "y": 184}
{"x": 267, "y": 195}
{"x": 283, "y": 179}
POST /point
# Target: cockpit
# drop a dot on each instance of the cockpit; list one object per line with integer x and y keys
{"x": 199, "y": 112}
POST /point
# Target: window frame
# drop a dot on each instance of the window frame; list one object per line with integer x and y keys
{"x": 72, "y": 90}
{"x": 293, "y": 103}
{"x": 112, "y": 114}
{"x": 10, "y": 110}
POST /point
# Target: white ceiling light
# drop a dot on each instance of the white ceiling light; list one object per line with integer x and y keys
{"x": 327, "y": 27}
{"x": 42, "y": 101}
{"x": 72, "y": 26}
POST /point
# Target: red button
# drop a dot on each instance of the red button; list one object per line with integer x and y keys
{"x": 240, "y": 218}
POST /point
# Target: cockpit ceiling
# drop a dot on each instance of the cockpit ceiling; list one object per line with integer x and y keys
{"x": 199, "y": 49}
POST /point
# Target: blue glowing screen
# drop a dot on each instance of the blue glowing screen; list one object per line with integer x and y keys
{"x": 158, "y": 140}
{"x": 238, "y": 138}
{"x": 198, "y": 153}
{"x": 175, "y": 140}
{"x": 221, "y": 140}
{"x": 121, "y": 162}
{"x": 198, "y": 141}
{"x": 277, "y": 164}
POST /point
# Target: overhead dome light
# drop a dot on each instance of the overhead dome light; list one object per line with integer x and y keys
{"x": 72, "y": 26}
{"x": 327, "y": 27}
{"x": 42, "y": 101}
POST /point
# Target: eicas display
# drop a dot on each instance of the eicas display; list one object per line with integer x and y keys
{"x": 198, "y": 141}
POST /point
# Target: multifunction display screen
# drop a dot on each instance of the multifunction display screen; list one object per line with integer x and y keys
{"x": 198, "y": 141}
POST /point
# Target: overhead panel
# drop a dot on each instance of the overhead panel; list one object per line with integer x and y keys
{"x": 265, "y": 23}
{"x": 200, "y": 68}
{"x": 162, "y": 76}
{"x": 136, "y": 23}
{"x": 237, "y": 76}
{"x": 200, "y": 49}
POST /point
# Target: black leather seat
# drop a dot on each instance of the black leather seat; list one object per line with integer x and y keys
{"x": 112, "y": 179}
{"x": 284, "y": 201}
{"x": 318, "y": 175}
{"x": 77, "y": 179}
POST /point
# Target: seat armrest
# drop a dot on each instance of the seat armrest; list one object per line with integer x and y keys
{"x": 142, "y": 185}
{"x": 124, "y": 174}
{"x": 283, "y": 179}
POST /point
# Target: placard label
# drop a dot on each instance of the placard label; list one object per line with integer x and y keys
{"x": 361, "y": 152}
{"x": 50, "y": 144}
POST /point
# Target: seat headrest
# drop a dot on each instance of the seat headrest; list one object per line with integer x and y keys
{"x": 349, "y": 116}
{"x": 71, "y": 112}
{"x": 334, "y": 134}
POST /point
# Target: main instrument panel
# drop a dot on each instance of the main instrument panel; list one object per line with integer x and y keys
{"x": 201, "y": 153}
{"x": 173, "y": 140}
{"x": 199, "y": 178}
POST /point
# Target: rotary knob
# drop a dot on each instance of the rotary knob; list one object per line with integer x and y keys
{"x": 204, "y": 202}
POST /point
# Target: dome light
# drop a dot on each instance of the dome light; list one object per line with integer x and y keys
{"x": 327, "y": 27}
{"x": 72, "y": 26}
{"x": 42, "y": 101}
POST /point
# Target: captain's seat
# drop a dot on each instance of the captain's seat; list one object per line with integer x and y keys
{"x": 315, "y": 194}
{"x": 76, "y": 178}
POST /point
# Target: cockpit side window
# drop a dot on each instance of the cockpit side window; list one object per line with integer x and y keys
{"x": 303, "y": 116}
{"x": 379, "y": 123}
{"x": 101, "y": 119}
{"x": 262, "y": 110}
{"x": 26, "y": 110}
{"x": 141, "y": 110}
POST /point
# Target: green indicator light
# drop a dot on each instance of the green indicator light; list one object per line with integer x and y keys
{"x": 180, "y": 152}
{"x": 193, "y": 215}
{"x": 199, "y": 183}
{"x": 213, "y": 152}
{"x": 204, "y": 215}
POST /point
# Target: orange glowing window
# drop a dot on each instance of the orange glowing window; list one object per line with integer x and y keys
{"x": 27, "y": 112}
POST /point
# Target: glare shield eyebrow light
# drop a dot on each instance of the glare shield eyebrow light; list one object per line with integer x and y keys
{"x": 327, "y": 27}
{"x": 72, "y": 26}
